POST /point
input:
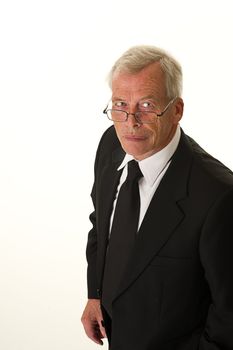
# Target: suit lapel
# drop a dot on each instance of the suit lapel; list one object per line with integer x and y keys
{"x": 163, "y": 215}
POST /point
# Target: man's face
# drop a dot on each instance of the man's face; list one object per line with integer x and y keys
{"x": 144, "y": 90}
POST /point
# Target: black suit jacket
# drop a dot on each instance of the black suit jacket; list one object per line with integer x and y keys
{"x": 177, "y": 292}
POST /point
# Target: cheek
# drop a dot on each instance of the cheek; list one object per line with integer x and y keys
{"x": 119, "y": 129}
{"x": 154, "y": 134}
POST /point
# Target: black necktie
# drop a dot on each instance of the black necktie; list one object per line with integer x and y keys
{"x": 123, "y": 234}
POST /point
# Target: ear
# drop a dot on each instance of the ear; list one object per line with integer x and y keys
{"x": 178, "y": 106}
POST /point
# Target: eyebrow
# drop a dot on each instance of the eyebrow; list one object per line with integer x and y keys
{"x": 118, "y": 99}
{"x": 148, "y": 97}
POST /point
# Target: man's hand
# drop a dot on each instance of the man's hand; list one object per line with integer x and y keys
{"x": 92, "y": 321}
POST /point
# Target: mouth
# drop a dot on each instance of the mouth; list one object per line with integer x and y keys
{"x": 134, "y": 138}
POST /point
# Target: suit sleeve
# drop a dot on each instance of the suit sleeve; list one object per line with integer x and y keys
{"x": 216, "y": 252}
{"x": 91, "y": 249}
{"x": 92, "y": 242}
{"x": 91, "y": 254}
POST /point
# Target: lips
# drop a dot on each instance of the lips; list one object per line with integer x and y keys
{"x": 135, "y": 138}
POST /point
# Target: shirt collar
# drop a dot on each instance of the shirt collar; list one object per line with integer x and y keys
{"x": 152, "y": 166}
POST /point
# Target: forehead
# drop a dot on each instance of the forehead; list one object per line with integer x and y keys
{"x": 150, "y": 80}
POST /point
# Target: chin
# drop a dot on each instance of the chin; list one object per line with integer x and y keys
{"x": 137, "y": 154}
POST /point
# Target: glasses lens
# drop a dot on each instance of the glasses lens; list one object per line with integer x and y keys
{"x": 146, "y": 117}
{"x": 117, "y": 116}
{"x": 121, "y": 116}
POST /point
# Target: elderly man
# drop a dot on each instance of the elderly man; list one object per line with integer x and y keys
{"x": 160, "y": 261}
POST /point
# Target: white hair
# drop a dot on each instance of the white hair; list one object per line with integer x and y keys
{"x": 139, "y": 57}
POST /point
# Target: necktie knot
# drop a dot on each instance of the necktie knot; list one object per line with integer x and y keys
{"x": 134, "y": 172}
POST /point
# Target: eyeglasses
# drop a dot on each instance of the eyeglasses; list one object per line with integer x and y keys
{"x": 142, "y": 117}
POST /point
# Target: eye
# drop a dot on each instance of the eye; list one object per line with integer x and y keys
{"x": 147, "y": 105}
{"x": 119, "y": 104}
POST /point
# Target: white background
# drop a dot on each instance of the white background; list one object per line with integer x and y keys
{"x": 54, "y": 59}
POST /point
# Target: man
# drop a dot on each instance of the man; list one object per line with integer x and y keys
{"x": 159, "y": 275}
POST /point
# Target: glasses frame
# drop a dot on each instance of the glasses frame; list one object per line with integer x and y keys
{"x": 127, "y": 114}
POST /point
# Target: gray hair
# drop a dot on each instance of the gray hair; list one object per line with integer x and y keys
{"x": 139, "y": 57}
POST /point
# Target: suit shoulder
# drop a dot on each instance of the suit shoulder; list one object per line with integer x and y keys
{"x": 109, "y": 139}
{"x": 109, "y": 148}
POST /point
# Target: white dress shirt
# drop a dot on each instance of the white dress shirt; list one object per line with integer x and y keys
{"x": 153, "y": 169}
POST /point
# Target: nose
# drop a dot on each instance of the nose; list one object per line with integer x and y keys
{"x": 132, "y": 120}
